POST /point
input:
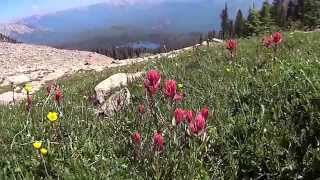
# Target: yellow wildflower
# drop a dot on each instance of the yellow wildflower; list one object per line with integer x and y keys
{"x": 27, "y": 88}
{"x": 228, "y": 70}
{"x": 43, "y": 151}
{"x": 52, "y": 116}
{"x": 180, "y": 86}
{"x": 37, "y": 144}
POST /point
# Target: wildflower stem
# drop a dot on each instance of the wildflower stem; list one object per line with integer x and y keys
{"x": 12, "y": 87}
{"x": 23, "y": 129}
{"x": 153, "y": 111}
{"x": 42, "y": 108}
{"x": 44, "y": 164}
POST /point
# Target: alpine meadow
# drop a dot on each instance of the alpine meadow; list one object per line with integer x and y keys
{"x": 239, "y": 101}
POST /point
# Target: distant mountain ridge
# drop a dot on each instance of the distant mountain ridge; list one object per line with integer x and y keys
{"x": 14, "y": 29}
{"x": 147, "y": 16}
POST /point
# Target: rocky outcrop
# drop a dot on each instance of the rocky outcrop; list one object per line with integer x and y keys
{"x": 112, "y": 94}
{"x": 116, "y": 81}
{"x": 115, "y": 103}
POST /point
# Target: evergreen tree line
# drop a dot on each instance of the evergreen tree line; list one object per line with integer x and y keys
{"x": 126, "y": 52}
{"x": 121, "y": 53}
{"x": 280, "y": 14}
{"x": 4, "y": 38}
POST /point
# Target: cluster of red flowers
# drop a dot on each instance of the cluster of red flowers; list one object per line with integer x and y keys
{"x": 158, "y": 140}
{"x": 273, "y": 40}
{"x": 152, "y": 84}
{"x": 197, "y": 124}
{"x": 57, "y": 93}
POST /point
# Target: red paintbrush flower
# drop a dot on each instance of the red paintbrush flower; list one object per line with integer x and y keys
{"x": 197, "y": 125}
{"x": 158, "y": 142}
{"x": 277, "y": 38}
{"x": 200, "y": 122}
{"x": 50, "y": 88}
{"x": 152, "y": 82}
{"x": 189, "y": 116}
{"x": 179, "y": 115}
{"x": 267, "y": 41}
{"x": 170, "y": 88}
{"x": 205, "y": 112}
{"x": 141, "y": 109}
{"x": 58, "y": 95}
{"x": 193, "y": 127}
{"x": 231, "y": 45}
{"x": 29, "y": 103}
{"x": 136, "y": 138}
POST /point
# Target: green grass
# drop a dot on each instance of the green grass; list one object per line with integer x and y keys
{"x": 264, "y": 120}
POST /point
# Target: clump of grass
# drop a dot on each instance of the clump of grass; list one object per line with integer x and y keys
{"x": 265, "y": 124}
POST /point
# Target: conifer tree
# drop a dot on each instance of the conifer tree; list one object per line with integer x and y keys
{"x": 299, "y": 10}
{"x": 231, "y": 29}
{"x": 276, "y": 11}
{"x": 224, "y": 21}
{"x": 311, "y": 16}
{"x": 291, "y": 11}
{"x": 265, "y": 16}
{"x": 283, "y": 16}
{"x": 239, "y": 25}
{"x": 114, "y": 53}
{"x": 291, "y": 16}
{"x": 214, "y": 34}
{"x": 209, "y": 36}
{"x": 253, "y": 23}
{"x": 200, "y": 39}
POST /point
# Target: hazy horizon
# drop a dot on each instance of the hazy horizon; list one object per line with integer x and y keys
{"x": 12, "y": 10}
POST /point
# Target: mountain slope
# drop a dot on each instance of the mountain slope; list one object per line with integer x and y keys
{"x": 15, "y": 29}
{"x": 263, "y": 123}
{"x": 162, "y": 16}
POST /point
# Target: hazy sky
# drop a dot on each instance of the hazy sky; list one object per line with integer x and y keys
{"x": 11, "y": 10}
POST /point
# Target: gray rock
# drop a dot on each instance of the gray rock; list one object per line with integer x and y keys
{"x": 115, "y": 103}
{"x": 105, "y": 88}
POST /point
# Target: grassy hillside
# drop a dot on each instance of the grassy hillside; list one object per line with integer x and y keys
{"x": 264, "y": 121}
